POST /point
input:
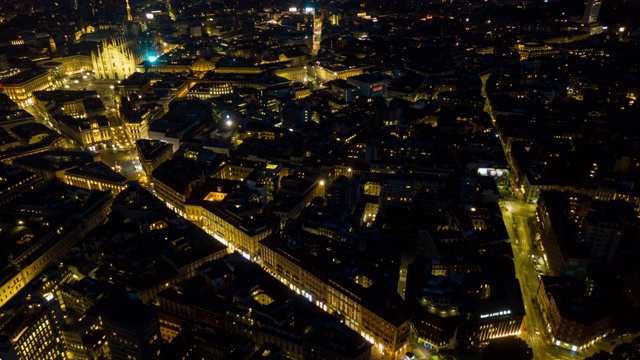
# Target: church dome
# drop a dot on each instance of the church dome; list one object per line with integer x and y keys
{"x": 202, "y": 65}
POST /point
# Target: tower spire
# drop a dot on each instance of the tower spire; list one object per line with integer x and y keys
{"x": 129, "y": 17}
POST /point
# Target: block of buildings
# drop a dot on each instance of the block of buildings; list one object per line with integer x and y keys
{"x": 357, "y": 296}
{"x": 96, "y": 176}
{"x": 575, "y": 318}
{"x": 264, "y": 311}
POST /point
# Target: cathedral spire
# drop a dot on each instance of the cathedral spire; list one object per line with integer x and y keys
{"x": 129, "y": 17}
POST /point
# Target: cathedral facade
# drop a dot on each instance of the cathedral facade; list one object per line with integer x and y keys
{"x": 117, "y": 56}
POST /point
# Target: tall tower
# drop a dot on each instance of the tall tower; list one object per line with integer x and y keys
{"x": 52, "y": 45}
{"x": 129, "y": 17}
{"x": 317, "y": 32}
{"x": 591, "y": 11}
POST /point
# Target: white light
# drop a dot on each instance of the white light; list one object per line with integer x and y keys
{"x": 229, "y": 122}
{"x": 321, "y": 182}
{"x": 49, "y": 297}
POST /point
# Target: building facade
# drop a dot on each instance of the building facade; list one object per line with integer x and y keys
{"x": 21, "y": 86}
{"x": 117, "y": 57}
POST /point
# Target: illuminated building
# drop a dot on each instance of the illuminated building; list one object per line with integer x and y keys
{"x": 533, "y": 50}
{"x": 137, "y": 127}
{"x": 296, "y": 192}
{"x": 65, "y": 214}
{"x": 117, "y": 56}
{"x": 52, "y": 164}
{"x": 152, "y": 153}
{"x": 82, "y": 334}
{"x": 461, "y": 99}
{"x": 330, "y": 72}
{"x": 396, "y": 194}
{"x": 32, "y": 331}
{"x": 77, "y": 104}
{"x": 175, "y": 180}
{"x": 129, "y": 17}
{"x": 236, "y": 226}
{"x": 170, "y": 326}
{"x": 33, "y": 133}
{"x": 343, "y": 193}
{"x": 74, "y": 63}
{"x": 92, "y": 133}
{"x": 496, "y": 303}
{"x": 238, "y": 170}
{"x": 132, "y": 331}
{"x": 185, "y": 117}
{"x": 206, "y": 91}
{"x": 497, "y": 324}
{"x": 15, "y": 181}
{"x": 202, "y": 65}
{"x": 20, "y": 87}
{"x": 174, "y": 196}
{"x": 233, "y": 295}
{"x": 437, "y": 325}
{"x": 96, "y": 176}
{"x": 136, "y": 119}
{"x": 293, "y": 73}
{"x": 232, "y": 65}
{"x": 369, "y": 85}
{"x": 375, "y": 313}
{"x": 295, "y": 114}
{"x": 136, "y": 84}
{"x": 178, "y": 248}
{"x": 343, "y": 90}
{"x": 591, "y": 11}
{"x": 560, "y": 215}
{"x": 575, "y": 319}
{"x": 259, "y": 81}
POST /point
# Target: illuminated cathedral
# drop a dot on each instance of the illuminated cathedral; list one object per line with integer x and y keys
{"x": 117, "y": 56}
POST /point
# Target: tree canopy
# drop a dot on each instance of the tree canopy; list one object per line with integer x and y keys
{"x": 512, "y": 348}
